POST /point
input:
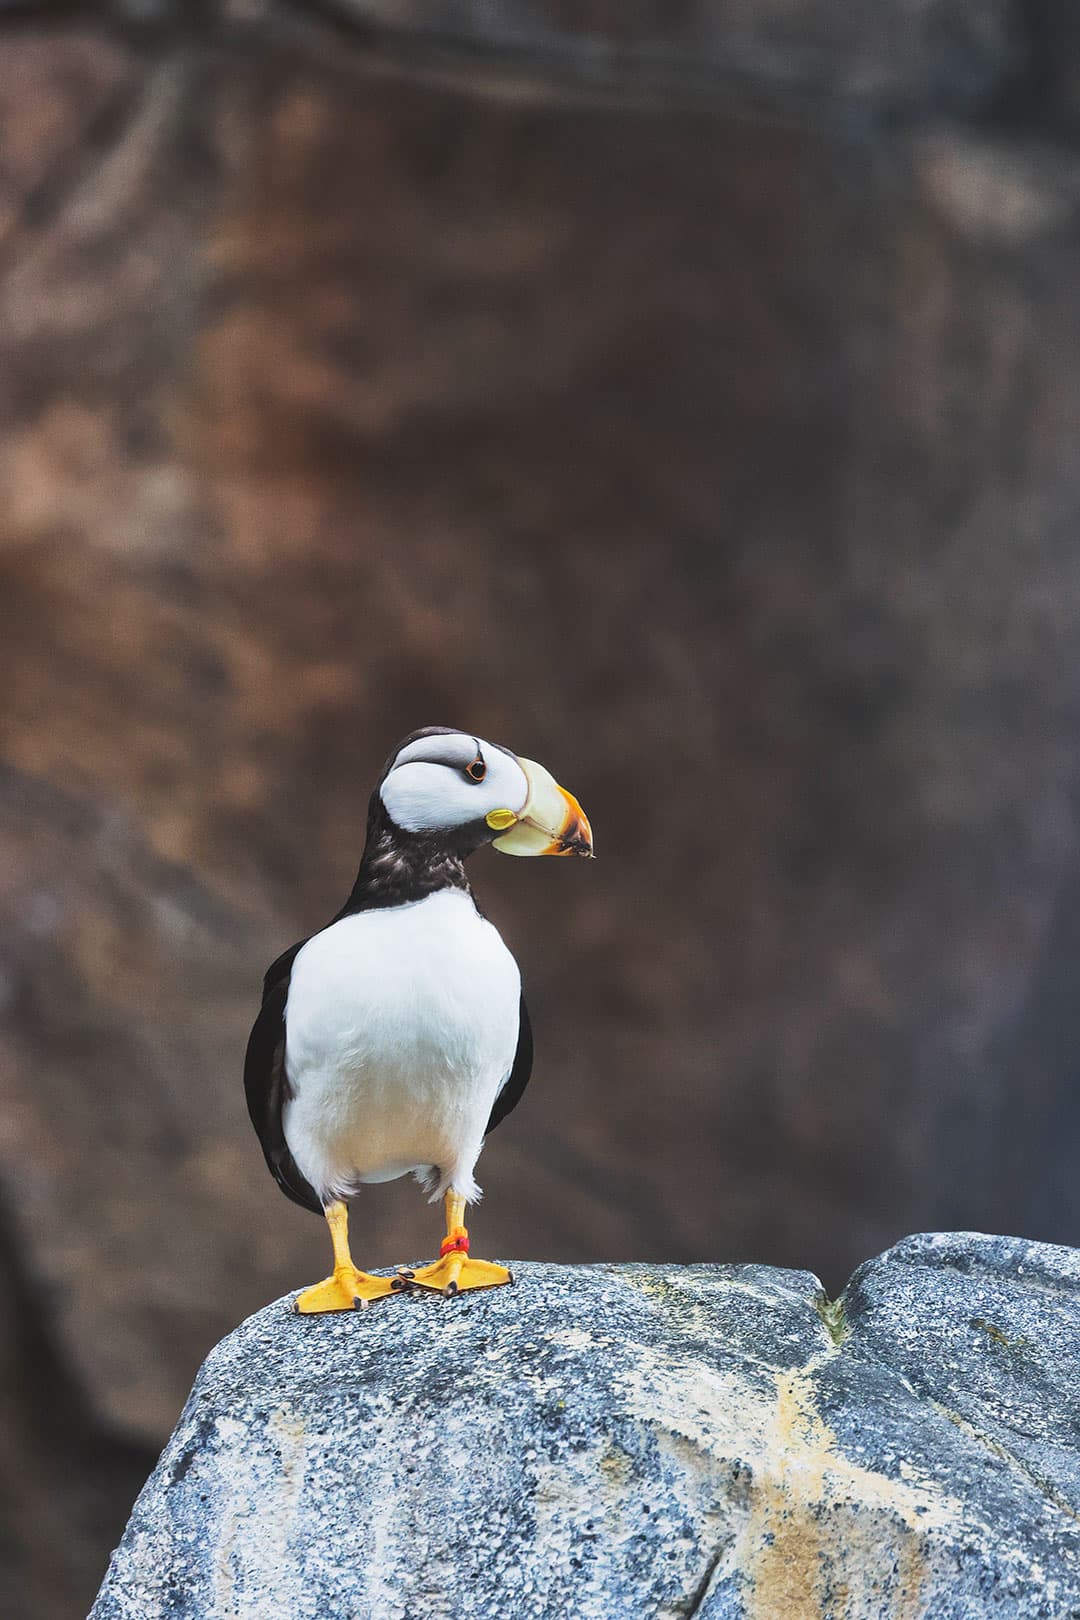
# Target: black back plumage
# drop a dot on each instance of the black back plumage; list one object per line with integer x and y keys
{"x": 266, "y": 1085}
{"x": 518, "y": 1078}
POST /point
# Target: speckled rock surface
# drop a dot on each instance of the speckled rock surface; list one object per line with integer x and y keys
{"x": 637, "y": 1440}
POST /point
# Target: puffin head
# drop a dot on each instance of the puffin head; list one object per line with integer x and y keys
{"x": 455, "y": 788}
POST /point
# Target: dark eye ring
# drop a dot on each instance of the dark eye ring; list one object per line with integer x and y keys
{"x": 477, "y": 770}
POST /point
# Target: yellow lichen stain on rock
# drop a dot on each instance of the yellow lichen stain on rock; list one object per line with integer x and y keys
{"x": 998, "y": 1335}
{"x": 679, "y": 1298}
{"x": 826, "y": 1536}
{"x": 615, "y": 1465}
{"x": 648, "y": 1282}
{"x": 820, "y": 1536}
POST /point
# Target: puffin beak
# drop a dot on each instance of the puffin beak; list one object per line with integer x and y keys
{"x": 550, "y": 822}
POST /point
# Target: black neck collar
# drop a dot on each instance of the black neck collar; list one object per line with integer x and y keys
{"x": 399, "y": 867}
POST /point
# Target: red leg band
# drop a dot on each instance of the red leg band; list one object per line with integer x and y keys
{"x": 455, "y": 1242}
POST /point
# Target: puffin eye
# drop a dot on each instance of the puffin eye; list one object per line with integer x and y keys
{"x": 477, "y": 770}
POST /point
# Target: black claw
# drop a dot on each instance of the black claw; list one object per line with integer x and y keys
{"x": 403, "y": 1271}
{"x": 399, "y": 1282}
{"x": 451, "y": 1288}
{"x": 358, "y": 1303}
{"x": 510, "y": 1277}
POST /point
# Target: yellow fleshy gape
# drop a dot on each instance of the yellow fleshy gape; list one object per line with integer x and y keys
{"x": 500, "y": 819}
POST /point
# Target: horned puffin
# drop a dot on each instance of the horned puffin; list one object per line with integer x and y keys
{"x": 393, "y": 1040}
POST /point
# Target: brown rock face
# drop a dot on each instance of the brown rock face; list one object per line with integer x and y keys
{"x": 728, "y": 469}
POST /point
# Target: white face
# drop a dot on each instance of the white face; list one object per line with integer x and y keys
{"x": 438, "y": 783}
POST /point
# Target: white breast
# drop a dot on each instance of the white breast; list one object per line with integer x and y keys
{"x": 401, "y": 1027}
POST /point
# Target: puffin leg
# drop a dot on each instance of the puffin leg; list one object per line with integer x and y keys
{"x": 454, "y": 1271}
{"x": 347, "y": 1289}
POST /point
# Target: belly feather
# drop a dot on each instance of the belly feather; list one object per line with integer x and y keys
{"x": 395, "y": 1068}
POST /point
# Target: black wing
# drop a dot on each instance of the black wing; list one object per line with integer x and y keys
{"x": 266, "y": 1084}
{"x": 518, "y": 1078}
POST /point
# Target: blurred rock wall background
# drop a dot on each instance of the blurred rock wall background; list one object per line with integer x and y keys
{"x": 689, "y": 397}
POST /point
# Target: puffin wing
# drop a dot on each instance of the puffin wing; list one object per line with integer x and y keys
{"x": 266, "y": 1084}
{"x": 518, "y": 1078}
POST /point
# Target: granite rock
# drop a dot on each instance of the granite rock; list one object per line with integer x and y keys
{"x": 637, "y": 1440}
